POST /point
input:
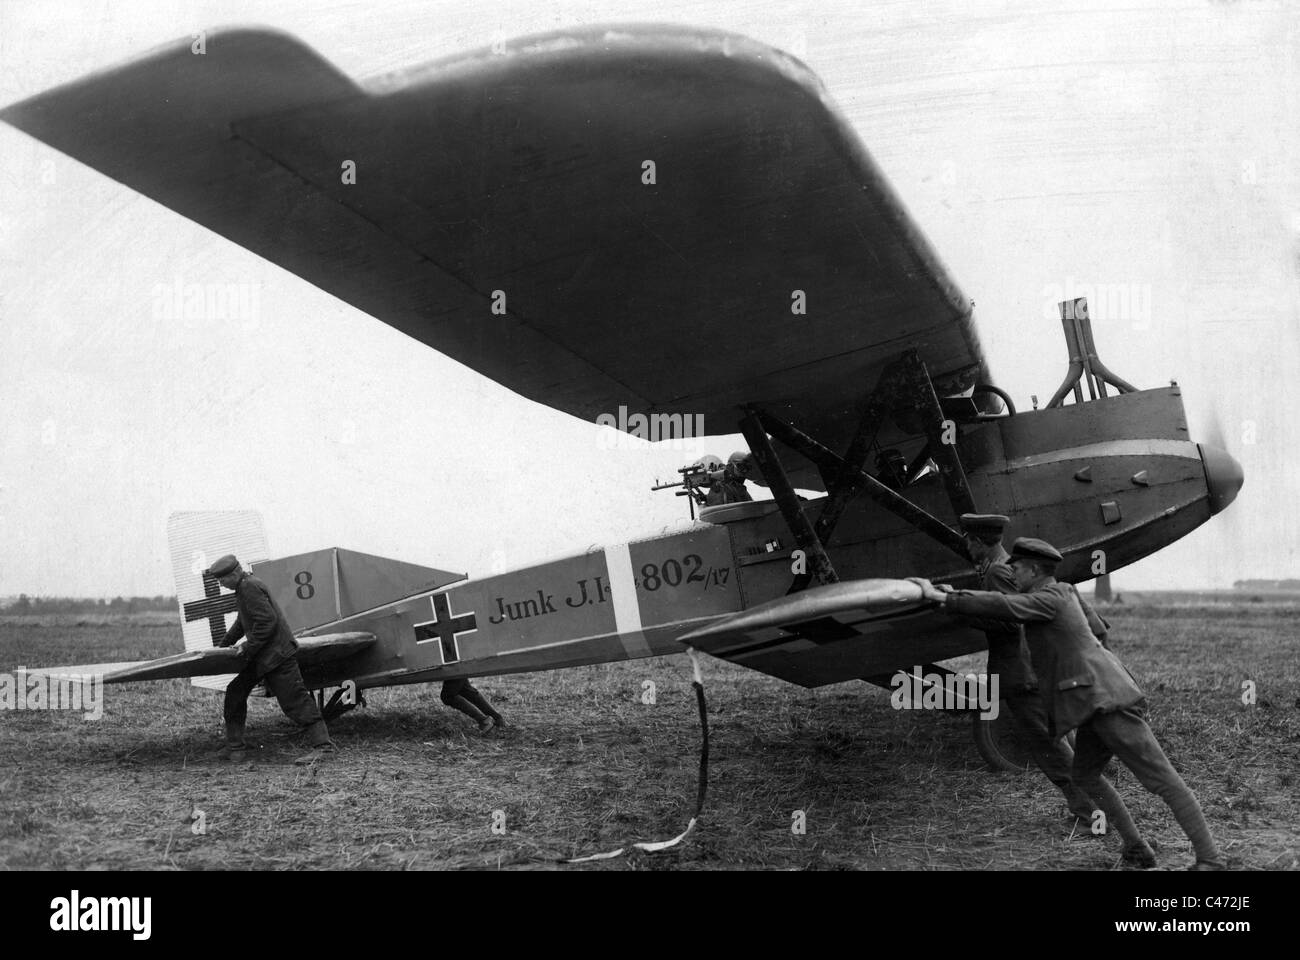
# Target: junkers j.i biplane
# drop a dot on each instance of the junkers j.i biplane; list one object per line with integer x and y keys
{"x": 648, "y": 202}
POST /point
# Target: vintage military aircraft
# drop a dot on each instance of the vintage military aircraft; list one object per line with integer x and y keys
{"x": 628, "y": 217}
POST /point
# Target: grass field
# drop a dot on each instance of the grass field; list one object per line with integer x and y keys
{"x": 589, "y": 767}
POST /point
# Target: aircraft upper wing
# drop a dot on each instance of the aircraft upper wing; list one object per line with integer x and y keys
{"x": 211, "y": 662}
{"x": 524, "y": 172}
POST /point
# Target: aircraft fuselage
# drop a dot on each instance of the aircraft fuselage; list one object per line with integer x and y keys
{"x": 1108, "y": 482}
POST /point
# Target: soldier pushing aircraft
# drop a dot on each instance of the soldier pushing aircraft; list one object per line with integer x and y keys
{"x": 1009, "y": 660}
{"x": 1086, "y": 688}
{"x": 262, "y": 634}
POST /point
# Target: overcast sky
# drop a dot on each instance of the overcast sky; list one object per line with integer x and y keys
{"x": 1151, "y": 150}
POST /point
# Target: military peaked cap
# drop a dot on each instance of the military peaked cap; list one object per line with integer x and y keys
{"x": 1029, "y": 548}
{"x": 989, "y": 524}
{"x": 224, "y": 565}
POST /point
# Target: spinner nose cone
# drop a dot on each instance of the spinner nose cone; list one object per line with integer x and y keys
{"x": 1223, "y": 476}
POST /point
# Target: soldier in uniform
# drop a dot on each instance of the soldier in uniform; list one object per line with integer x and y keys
{"x": 460, "y": 694}
{"x": 262, "y": 635}
{"x": 1087, "y": 689}
{"x": 729, "y": 482}
{"x": 1009, "y": 660}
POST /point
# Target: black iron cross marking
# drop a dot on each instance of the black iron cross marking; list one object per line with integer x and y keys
{"x": 820, "y": 631}
{"x": 213, "y": 607}
{"x": 445, "y": 628}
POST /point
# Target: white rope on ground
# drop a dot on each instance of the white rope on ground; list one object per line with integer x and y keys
{"x": 655, "y": 847}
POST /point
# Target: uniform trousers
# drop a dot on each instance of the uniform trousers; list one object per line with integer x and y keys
{"x": 285, "y": 684}
{"x": 462, "y": 688}
{"x": 1125, "y": 734}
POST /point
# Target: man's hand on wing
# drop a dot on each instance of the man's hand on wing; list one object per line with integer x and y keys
{"x": 929, "y": 591}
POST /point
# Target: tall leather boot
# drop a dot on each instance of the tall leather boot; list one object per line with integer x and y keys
{"x": 236, "y": 749}
{"x": 322, "y": 747}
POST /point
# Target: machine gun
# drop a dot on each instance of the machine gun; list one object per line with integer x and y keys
{"x": 695, "y": 481}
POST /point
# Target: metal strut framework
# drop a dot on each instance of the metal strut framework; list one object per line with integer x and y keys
{"x": 905, "y": 382}
{"x": 805, "y": 537}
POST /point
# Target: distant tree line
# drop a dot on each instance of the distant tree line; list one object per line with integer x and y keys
{"x": 1289, "y": 585}
{"x": 26, "y": 604}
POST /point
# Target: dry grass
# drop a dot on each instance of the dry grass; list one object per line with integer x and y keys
{"x": 588, "y": 767}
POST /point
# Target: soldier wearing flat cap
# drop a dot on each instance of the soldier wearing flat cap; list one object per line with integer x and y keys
{"x": 1087, "y": 689}
{"x": 262, "y": 635}
{"x": 1009, "y": 661}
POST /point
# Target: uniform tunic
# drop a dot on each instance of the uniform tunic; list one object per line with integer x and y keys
{"x": 1008, "y": 654}
{"x": 272, "y": 657}
{"x": 1018, "y": 685}
{"x": 1077, "y": 675}
{"x": 270, "y": 641}
{"x": 1085, "y": 686}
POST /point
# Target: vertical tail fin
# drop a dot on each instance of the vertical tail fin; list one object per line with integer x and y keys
{"x": 195, "y": 539}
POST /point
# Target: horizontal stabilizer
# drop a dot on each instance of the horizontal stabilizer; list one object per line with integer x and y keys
{"x": 842, "y": 631}
{"x": 205, "y": 663}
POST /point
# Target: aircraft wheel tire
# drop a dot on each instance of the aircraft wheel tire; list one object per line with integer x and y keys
{"x": 997, "y": 742}
{"x": 334, "y": 711}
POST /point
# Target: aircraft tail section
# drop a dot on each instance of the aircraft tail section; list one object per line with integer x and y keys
{"x": 325, "y": 586}
{"x": 313, "y": 589}
{"x": 195, "y": 539}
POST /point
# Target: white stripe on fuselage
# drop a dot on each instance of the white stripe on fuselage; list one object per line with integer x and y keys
{"x": 1186, "y": 449}
{"x": 627, "y": 610}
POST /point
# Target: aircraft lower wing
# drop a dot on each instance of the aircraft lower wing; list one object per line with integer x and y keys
{"x": 210, "y": 662}
{"x": 842, "y": 631}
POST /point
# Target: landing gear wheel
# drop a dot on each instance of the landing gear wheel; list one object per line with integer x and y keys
{"x": 335, "y": 708}
{"x": 998, "y": 742}
{"x": 333, "y": 711}
{"x": 999, "y": 745}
